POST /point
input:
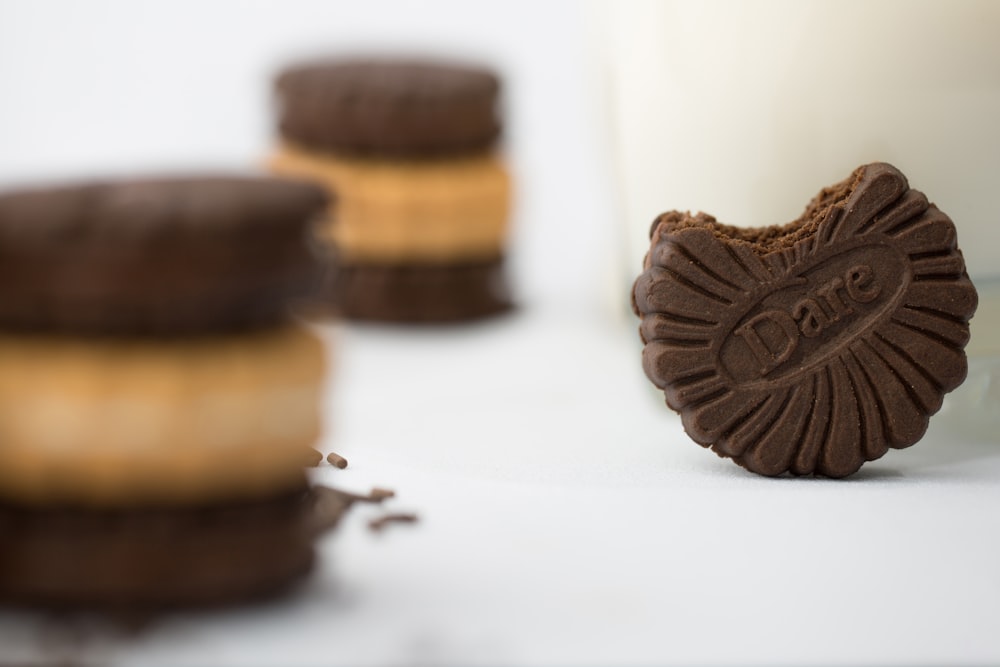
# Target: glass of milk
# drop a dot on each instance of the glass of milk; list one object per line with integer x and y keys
{"x": 745, "y": 109}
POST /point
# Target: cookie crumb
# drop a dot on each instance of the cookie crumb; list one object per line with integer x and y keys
{"x": 336, "y": 460}
{"x": 313, "y": 457}
{"x": 378, "y": 524}
{"x": 376, "y": 495}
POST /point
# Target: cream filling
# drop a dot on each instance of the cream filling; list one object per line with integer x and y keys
{"x": 130, "y": 424}
{"x": 409, "y": 211}
{"x": 180, "y": 421}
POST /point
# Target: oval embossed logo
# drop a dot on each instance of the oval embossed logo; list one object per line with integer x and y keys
{"x": 806, "y": 318}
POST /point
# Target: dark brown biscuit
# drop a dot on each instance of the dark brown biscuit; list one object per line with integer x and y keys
{"x": 151, "y": 558}
{"x": 157, "y": 256}
{"x": 389, "y": 107}
{"x": 812, "y": 347}
{"x": 421, "y": 293}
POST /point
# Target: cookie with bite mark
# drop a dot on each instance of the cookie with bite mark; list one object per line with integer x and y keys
{"x": 812, "y": 347}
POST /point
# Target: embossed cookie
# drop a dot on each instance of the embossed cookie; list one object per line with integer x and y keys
{"x": 813, "y": 347}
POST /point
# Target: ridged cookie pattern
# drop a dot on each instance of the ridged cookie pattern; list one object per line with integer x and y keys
{"x": 821, "y": 353}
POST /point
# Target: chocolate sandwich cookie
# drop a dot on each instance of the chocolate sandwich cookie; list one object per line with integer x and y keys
{"x": 813, "y": 347}
{"x": 421, "y": 293}
{"x": 156, "y": 557}
{"x": 168, "y": 256}
{"x": 389, "y": 107}
{"x": 422, "y": 199}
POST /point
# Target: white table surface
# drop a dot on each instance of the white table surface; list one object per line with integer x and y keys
{"x": 565, "y": 518}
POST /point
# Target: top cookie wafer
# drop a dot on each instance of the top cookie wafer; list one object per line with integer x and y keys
{"x": 812, "y": 347}
{"x": 181, "y": 255}
{"x": 389, "y": 108}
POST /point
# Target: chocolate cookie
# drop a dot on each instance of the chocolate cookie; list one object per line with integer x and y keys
{"x": 155, "y": 557}
{"x": 389, "y": 107}
{"x": 420, "y": 293}
{"x": 168, "y": 256}
{"x": 813, "y": 347}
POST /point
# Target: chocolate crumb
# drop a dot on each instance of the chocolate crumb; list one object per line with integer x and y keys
{"x": 376, "y": 495}
{"x": 376, "y": 525}
{"x": 337, "y": 460}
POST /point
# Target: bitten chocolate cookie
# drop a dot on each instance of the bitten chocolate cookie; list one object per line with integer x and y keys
{"x": 812, "y": 347}
{"x": 389, "y": 107}
{"x": 169, "y": 256}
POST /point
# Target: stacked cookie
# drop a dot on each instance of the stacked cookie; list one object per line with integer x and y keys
{"x": 157, "y": 400}
{"x": 422, "y": 197}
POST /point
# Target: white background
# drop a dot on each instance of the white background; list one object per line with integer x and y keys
{"x": 565, "y": 517}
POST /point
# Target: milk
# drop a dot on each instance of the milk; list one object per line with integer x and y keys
{"x": 746, "y": 109}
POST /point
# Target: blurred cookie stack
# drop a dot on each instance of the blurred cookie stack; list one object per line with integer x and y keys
{"x": 423, "y": 199}
{"x": 157, "y": 401}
